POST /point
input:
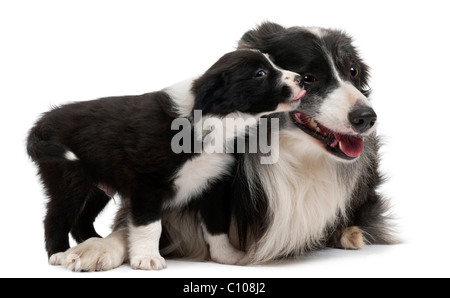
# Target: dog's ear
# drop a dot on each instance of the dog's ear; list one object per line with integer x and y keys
{"x": 208, "y": 91}
{"x": 254, "y": 39}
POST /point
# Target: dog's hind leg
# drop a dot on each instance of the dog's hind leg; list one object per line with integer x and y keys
{"x": 368, "y": 223}
{"x": 215, "y": 213}
{"x": 348, "y": 238}
{"x": 83, "y": 228}
{"x": 67, "y": 187}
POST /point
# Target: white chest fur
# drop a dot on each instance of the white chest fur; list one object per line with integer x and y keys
{"x": 196, "y": 174}
{"x": 305, "y": 194}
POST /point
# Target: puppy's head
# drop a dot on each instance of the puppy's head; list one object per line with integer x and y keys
{"x": 247, "y": 81}
{"x": 335, "y": 113}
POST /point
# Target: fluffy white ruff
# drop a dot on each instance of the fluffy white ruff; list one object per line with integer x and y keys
{"x": 305, "y": 195}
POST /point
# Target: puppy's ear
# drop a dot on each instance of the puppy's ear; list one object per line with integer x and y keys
{"x": 254, "y": 39}
{"x": 208, "y": 91}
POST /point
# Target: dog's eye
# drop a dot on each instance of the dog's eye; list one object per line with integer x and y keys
{"x": 354, "y": 72}
{"x": 309, "y": 79}
{"x": 260, "y": 73}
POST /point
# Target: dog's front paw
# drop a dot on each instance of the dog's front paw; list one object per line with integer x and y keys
{"x": 148, "y": 262}
{"x": 94, "y": 254}
{"x": 90, "y": 261}
{"x": 352, "y": 238}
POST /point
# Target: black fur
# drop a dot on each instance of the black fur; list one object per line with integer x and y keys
{"x": 253, "y": 96}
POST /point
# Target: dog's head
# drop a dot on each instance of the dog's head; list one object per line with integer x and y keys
{"x": 246, "y": 81}
{"x": 336, "y": 111}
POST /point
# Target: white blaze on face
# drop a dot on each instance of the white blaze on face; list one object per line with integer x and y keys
{"x": 288, "y": 78}
{"x": 338, "y": 104}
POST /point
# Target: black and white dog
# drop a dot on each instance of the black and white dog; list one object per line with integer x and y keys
{"x": 323, "y": 189}
{"x": 86, "y": 151}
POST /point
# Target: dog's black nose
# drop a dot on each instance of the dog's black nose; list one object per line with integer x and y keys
{"x": 362, "y": 119}
{"x": 299, "y": 80}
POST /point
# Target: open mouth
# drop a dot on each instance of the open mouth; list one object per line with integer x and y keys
{"x": 342, "y": 145}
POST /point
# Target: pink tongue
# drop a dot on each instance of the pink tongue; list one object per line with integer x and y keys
{"x": 351, "y": 146}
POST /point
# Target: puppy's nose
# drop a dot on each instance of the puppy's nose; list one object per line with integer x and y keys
{"x": 298, "y": 80}
{"x": 362, "y": 119}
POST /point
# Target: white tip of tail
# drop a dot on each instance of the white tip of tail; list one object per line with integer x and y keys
{"x": 69, "y": 155}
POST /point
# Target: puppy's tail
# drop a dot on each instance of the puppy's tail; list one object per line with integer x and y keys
{"x": 41, "y": 147}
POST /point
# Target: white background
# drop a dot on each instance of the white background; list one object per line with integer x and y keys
{"x": 52, "y": 52}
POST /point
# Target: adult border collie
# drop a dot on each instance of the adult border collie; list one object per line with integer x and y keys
{"x": 87, "y": 150}
{"x": 323, "y": 189}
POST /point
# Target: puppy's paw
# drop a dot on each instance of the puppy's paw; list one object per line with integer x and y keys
{"x": 352, "y": 238}
{"x": 148, "y": 262}
{"x": 56, "y": 259}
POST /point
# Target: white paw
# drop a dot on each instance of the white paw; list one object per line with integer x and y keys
{"x": 73, "y": 262}
{"x": 94, "y": 254}
{"x": 143, "y": 242}
{"x": 56, "y": 259}
{"x": 352, "y": 238}
{"x": 229, "y": 257}
{"x": 221, "y": 250}
{"x": 148, "y": 262}
{"x": 90, "y": 260}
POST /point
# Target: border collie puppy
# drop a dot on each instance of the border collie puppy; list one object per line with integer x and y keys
{"x": 86, "y": 151}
